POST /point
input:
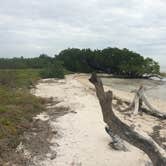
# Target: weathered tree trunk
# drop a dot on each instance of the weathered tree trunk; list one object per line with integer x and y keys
{"x": 141, "y": 141}
{"x": 154, "y": 75}
{"x": 152, "y": 110}
{"x": 137, "y": 102}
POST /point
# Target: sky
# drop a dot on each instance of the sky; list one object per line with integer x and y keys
{"x": 31, "y": 27}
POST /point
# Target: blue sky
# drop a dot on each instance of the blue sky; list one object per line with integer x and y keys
{"x": 29, "y": 28}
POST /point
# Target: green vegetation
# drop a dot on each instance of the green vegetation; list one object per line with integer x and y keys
{"x": 120, "y": 62}
{"x": 26, "y": 63}
{"x": 19, "y": 78}
{"x": 48, "y": 66}
{"x": 163, "y": 74}
{"x": 17, "y": 105}
{"x": 18, "y": 75}
{"x": 54, "y": 70}
{"x": 116, "y": 61}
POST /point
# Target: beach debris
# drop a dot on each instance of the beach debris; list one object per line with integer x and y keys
{"x": 135, "y": 137}
{"x": 117, "y": 143}
{"x": 137, "y": 104}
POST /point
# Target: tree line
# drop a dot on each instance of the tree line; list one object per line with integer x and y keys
{"x": 120, "y": 62}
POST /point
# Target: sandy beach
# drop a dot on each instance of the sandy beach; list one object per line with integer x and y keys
{"x": 82, "y": 140}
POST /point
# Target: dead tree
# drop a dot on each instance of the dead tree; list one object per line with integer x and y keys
{"x": 138, "y": 101}
{"x": 125, "y": 132}
{"x": 154, "y": 75}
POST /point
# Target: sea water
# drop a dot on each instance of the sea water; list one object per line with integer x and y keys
{"x": 155, "y": 88}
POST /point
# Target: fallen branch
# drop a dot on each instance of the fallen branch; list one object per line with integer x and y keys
{"x": 137, "y": 102}
{"x": 153, "y": 75}
{"x": 125, "y": 132}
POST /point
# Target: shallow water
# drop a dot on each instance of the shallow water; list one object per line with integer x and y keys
{"x": 156, "y": 89}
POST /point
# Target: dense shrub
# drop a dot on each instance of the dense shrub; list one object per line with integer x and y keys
{"x": 122, "y": 62}
{"x": 17, "y": 107}
{"x": 8, "y": 78}
{"x": 19, "y": 78}
{"x": 54, "y": 70}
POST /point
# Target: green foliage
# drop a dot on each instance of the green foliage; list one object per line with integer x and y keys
{"x": 22, "y": 78}
{"x": 121, "y": 62}
{"x": 7, "y": 78}
{"x": 54, "y": 70}
{"x": 110, "y": 60}
{"x": 16, "y": 111}
{"x": 151, "y": 66}
{"x": 17, "y": 106}
{"x": 75, "y": 60}
{"x": 25, "y": 63}
{"x": 163, "y": 74}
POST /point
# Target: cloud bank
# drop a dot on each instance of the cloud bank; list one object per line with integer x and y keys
{"x": 29, "y": 28}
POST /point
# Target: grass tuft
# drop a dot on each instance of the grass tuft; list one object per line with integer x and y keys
{"x": 17, "y": 105}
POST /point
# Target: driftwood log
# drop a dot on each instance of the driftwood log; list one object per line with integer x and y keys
{"x": 138, "y": 139}
{"x": 154, "y": 75}
{"x": 138, "y": 101}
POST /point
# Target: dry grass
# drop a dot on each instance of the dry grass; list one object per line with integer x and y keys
{"x": 17, "y": 106}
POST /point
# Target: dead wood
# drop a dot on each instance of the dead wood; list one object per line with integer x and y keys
{"x": 154, "y": 75}
{"x": 125, "y": 132}
{"x": 137, "y": 104}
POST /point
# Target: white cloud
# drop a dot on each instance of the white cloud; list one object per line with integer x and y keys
{"x": 31, "y": 27}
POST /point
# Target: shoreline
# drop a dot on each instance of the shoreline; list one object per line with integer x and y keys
{"x": 127, "y": 96}
{"x": 81, "y": 138}
{"x": 77, "y": 136}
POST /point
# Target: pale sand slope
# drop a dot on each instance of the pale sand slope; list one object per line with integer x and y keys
{"x": 83, "y": 141}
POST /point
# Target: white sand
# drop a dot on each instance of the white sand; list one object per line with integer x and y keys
{"x": 83, "y": 141}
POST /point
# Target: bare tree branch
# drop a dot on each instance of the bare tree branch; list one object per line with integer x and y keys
{"x": 139, "y": 140}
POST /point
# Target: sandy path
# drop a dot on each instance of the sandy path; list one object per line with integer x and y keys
{"x": 83, "y": 141}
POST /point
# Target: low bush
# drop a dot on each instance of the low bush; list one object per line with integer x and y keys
{"x": 17, "y": 106}
{"x": 163, "y": 74}
{"x": 8, "y": 78}
{"x": 54, "y": 70}
{"x": 19, "y": 78}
